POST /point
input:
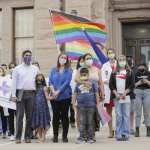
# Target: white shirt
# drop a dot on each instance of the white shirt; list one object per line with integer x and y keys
{"x": 73, "y": 83}
{"x": 23, "y": 77}
{"x": 120, "y": 81}
{"x": 106, "y": 73}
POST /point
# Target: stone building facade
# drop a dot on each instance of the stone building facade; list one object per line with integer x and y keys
{"x": 25, "y": 24}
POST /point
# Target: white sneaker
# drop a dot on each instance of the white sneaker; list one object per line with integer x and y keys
{"x": 12, "y": 138}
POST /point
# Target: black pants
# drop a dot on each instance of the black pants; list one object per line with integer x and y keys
{"x": 60, "y": 112}
{"x": 72, "y": 114}
{"x": 25, "y": 105}
{"x": 4, "y": 120}
{"x": 11, "y": 121}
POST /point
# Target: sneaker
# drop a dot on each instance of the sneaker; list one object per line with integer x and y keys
{"x": 12, "y": 138}
{"x": 132, "y": 132}
{"x": 119, "y": 139}
{"x": 18, "y": 141}
{"x": 80, "y": 141}
{"x": 91, "y": 141}
{"x": 27, "y": 141}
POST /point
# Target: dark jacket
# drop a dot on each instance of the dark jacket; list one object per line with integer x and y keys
{"x": 129, "y": 83}
{"x": 140, "y": 75}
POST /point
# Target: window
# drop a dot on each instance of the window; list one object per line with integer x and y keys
{"x": 0, "y": 30}
{"x": 24, "y": 31}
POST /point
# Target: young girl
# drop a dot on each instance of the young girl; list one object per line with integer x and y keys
{"x": 41, "y": 114}
{"x": 121, "y": 85}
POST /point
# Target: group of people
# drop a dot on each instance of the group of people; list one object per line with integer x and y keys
{"x": 118, "y": 85}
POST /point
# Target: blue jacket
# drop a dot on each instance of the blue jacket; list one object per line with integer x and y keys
{"x": 61, "y": 82}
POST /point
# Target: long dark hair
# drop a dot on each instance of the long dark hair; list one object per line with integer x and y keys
{"x": 36, "y": 80}
{"x": 126, "y": 67}
{"x": 87, "y": 55}
{"x": 78, "y": 62}
{"x": 67, "y": 64}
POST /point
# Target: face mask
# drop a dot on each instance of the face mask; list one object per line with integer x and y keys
{"x": 82, "y": 64}
{"x": 62, "y": 61}
{"x": 27, "y": 60}
{"x": 111, "y": 56}
{"x": 83, "y": 78}
{"x": 89, "y": 62}
{"x": 142, "y": 70}
{"x": 39, "y": 81}
{"x": 122, "y": 63}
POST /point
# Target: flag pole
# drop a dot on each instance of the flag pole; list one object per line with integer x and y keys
{"x": 102, "y": 57}
{"x": 83, "y": 30}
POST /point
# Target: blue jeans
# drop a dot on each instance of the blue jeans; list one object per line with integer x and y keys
{"x": 86, "y": 122}
{"x": 142, "y": 101}
{"x": 122, "y": 119}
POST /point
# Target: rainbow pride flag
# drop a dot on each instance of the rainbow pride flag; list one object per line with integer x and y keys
{"x": 68, "y": 28}
{"x": 78, "y": 48}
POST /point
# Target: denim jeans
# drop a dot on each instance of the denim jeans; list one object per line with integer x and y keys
{"x": 86, "y": 122}
{"x": 142, "y": 101}
{"x": 122, "y": 119}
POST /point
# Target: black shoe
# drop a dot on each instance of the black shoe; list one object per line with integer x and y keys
{"x": 124, "y": 138}
{"x": 27, "y": 141}
{"x": 72, "y": 125}
{"x": 55, "y": 140}
{"x": 137, "y": 132}
{"x": 65, "y": 140}
{"x": 148, "y": 132}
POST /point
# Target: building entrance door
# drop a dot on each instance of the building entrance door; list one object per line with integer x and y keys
{"x": 136, "y": 41}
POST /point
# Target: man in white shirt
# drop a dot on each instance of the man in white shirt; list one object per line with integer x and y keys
{"x": 23, "y": 92}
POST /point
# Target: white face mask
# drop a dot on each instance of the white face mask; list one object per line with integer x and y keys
{"x": 122, "y": 63}
{"x": 89, "y": 62}
{"x": 62, "y": 61}
{"x": 82, "y": 64}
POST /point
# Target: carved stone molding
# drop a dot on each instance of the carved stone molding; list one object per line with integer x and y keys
{"x": 121, "y": 5}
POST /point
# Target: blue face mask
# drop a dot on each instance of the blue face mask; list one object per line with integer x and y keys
{"x": 27, "y": 60}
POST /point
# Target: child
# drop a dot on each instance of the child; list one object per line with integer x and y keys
{"x": 86, "y": 94}
{"x": 41, "y": 114}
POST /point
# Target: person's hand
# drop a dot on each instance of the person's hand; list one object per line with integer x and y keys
{"x": 122, "y": 96}
{"x": 14, "y": 99}
{"x": 102, "y": 97}
{"x": 51, "y": 98}
{"x": 55, "y": 94}
{"x": 146, "y": 81}
{"x": 88, "y": 84}
{"x": 139, "y": 82}
{"x": 117, "y": 96}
